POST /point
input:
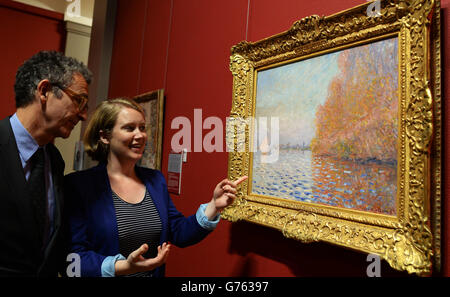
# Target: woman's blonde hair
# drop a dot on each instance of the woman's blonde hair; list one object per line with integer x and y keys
{"x": 104, "y": 119}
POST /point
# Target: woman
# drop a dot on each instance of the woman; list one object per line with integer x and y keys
{"x": 121, "y": 216}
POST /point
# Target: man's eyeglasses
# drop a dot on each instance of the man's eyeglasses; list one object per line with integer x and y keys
{"x": 80, "y": 100}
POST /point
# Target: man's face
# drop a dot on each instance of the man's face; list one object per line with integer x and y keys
{"x": 62, "y": 114}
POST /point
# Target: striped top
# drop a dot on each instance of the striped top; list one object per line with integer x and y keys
{"x": 137, "y": 224}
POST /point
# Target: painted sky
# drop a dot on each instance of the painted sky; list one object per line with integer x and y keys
{"x": 292, "y": 92}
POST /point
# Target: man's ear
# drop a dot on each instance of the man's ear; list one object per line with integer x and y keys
{"x": 43, "y": 89}
{"x": 104, "y": 136}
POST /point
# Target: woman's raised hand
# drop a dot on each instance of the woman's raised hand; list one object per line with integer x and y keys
{"x": 223, "y": 196}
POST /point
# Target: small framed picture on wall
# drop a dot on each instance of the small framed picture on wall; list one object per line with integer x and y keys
{"x": 153, "y": 104}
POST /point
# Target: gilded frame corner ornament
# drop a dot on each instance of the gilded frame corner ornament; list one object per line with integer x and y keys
{"x": 410, "y": 240}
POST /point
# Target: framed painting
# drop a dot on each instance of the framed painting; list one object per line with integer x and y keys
{"x": 337, "y": 123}
{"x": 153, "y": 104}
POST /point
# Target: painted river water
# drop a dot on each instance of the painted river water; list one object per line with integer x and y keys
{"x": 300, "y": 176}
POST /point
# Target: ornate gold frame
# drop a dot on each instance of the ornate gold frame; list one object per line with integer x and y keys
{"x": 410, "y": 240}
{"x": 155, "y": 121}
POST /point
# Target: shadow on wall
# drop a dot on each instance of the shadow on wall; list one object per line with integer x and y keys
{"x": 316, "y": 259}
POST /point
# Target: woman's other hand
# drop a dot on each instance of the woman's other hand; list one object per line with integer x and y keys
{"x": 137, "y": 263}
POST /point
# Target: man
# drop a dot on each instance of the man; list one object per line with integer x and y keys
{"x": 51, "y": 98}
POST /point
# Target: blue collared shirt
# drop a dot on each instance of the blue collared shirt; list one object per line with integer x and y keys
{"x": 27, "y": 146}
{"x": 108, "y": 264}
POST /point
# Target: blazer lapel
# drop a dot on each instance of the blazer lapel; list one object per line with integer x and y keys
{"x": 13, "y": 172}
{"x": 57, "y": 171}
{"x": 104, "y": 193}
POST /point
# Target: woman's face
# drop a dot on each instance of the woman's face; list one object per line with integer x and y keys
{"x": 128, "y": 137}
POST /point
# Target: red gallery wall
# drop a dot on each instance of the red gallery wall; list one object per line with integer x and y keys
{"x": 184, "y": 47}
{"x": 24, "y": 30}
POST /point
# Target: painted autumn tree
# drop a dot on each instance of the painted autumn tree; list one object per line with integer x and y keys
{"x": 359, "y": 119}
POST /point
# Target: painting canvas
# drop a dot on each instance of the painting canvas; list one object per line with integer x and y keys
{"x": 338, "y": 129}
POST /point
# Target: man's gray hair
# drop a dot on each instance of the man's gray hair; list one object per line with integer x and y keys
{"x": 51, "y": 65}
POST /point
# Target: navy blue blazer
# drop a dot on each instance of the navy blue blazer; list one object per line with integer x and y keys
{"x": 93, "y": 223}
